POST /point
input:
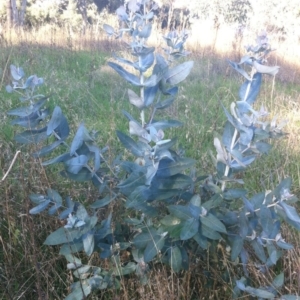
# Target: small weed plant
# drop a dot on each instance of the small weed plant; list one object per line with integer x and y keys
{"x": 172, "y": 215}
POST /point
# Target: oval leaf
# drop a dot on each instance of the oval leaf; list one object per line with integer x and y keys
{"x": 126, "y": 75}
{"x": 179, "y": 73}
{"x": 189, "y": 229}
{"x": 41, "y": 207}
{"x": 103, "y": 202}
{"x": 213, "y": 223}
{"x": 175, "y": 259}
{"x": 153, "y": 247}
{"x": 266, "y": 69}
{"x": 74, "y": 165}
{"x": 55, "y": 120}
{"x": 130, "y": 144}
{"x": 89, "y": 243}
{"x": 108, "y": 29}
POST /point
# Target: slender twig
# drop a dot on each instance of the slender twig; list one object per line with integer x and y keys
{"x": 11, "y": 165}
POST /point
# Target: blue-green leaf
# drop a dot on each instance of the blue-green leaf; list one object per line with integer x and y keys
{"x": 9, "y": 89}
{"x": 146, "y": 61}
{"x": 88, "y": 243}
{"x": 201, "y": 240}
{"x": 146, "y": 31}
{"x": 165, "y": 124}
{"x": 178, "y": 181}
{"x": 213, "y": 223}
{"x": 284, "y": 185}
{"x": 32, "y": 81}
{"x": 263, "y": 147}
{"x": 37, "y": 198}
{"x": 108, "y": 29}
{"x": 284, "y": 245}
{"x": 266, "y": 219}
{"x": 234, "y": 194}
{"x": 62, "y": 236}
{"x": 75, "y": 164}
{"x": 259, "y": 250}
{"x": 63, "y": 128}
{"x": 101, "y": 203}
{"x": 82, "y": 135}
{"x": 53, "y": 209}
{"x": 126, "y": 75}
{"x": 81, "y": 213}
{"x": 244, "y": 108}
{"x": 149, "y": 94}
{"x": 133, "y": 181}
{"x": 170, "y": 220}
{"x": 246, "y": 135}
{"x": 54, "y": 196}
{"x": 270, "y": 70}
{"x": 290, "y": 211}
{"x": 55, "y": 120}
{"x": 189, "y": 229}
{"x": 175, "y": 259}
{"x": 237, "y": 67}
{"x": 33, "y": 136}
{"x": 236, "y": 247}
{"x": 257, "y": 200}
{"x": 278, "y": 281}
{"x": 161, "y": 65}
{"x": 33, "y": 120}
{"x": 128, "y": 269}
{"x": 289, "y": 297}
{"x": 70, "y": 207}
{"x": 241, "y": 285}
{"x": 228, "y": 134}
{"x": 83, "y": 175}
{"x": 179, "y": 73}
{"x": 80, "y": 292}
{"x": 47, "y": 149}
{"x": 209, "y": 233}
{"x": 41, "y": 207}
{"x": 130, "y": 144}
{"x": 180, "y": 211}
{"x": 244, "y": 162}
{"x": 28, "y": 110}
{"x": 243, "y": 223}
{"x": 168, "y": 167}
{"x": 153, "y": 247}
{"x": 173, "y": 91}
{"x": 253, "y": 91}
{"x": 259, "y": 293}
{"x": 57, "y": 159}
{"x": 16, "y": 72}
{"x": 67, "y": 249}
{"x": 123, "y": 60}
{"x": 141, "y": 240}
{"x": 164, "y": 104}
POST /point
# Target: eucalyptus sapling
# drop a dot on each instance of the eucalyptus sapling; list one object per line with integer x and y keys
{"x": 173, "y": 212}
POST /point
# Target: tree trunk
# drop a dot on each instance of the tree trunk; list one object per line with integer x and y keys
{"x": 9, "y": 14}
{"x": 22, "y": 13}
{"x": 15, "y": 15}
{"x": 82, "y": 4}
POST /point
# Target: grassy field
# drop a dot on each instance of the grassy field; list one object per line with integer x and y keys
{"x": 87, "y": 90}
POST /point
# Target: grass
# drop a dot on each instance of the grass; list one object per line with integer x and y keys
{"x": 88, "y": 91}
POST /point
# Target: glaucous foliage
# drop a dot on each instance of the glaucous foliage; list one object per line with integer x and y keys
{"x": 175, "y": 210}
